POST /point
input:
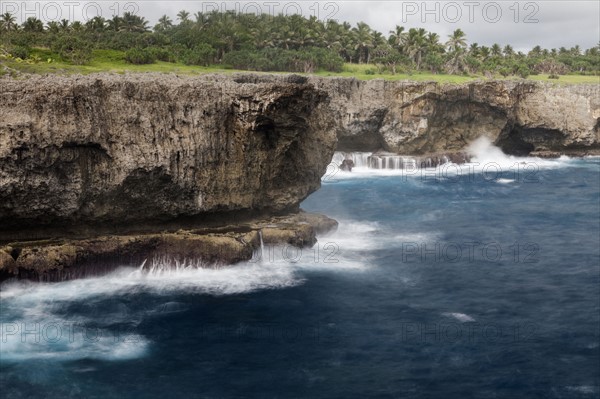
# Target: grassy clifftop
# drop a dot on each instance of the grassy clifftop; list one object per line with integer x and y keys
{"x": 43, "y": 61}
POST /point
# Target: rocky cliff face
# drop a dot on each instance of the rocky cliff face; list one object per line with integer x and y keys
{"x": 107, "y": 150}
{"x": 414, "y": 118}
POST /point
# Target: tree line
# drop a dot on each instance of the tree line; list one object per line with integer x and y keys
{"x": 285, "y": 43}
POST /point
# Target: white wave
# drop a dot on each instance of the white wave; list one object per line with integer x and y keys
{"x": 165, "y": 275}
{"x": 485, "y": 158}
{"x": 38, "y": 305}
{"x": 416, "y": 237}
{"x": 24, "y": 304}
{"x": 585, "y": 389}
{"x": 365, "y": 172}
{"x": 359, "y": 237}
{"x": 32, "y": 331}
{"x": 70, "y": 342}
{"x": 345, "y": 249}
{"x": 463, "y": 318}
{"x": 482, "y": 149}
{"x": 505, "y": 181}
{"x": 223, "y": 281}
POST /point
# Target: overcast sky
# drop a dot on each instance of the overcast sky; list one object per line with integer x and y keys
{"x": 547, "y": 23}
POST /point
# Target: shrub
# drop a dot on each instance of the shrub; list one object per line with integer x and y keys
{"x": 276, "y": 59}
{"x": 551, "y": 67}
{"x": 370, "y": 71}
{"x": 73, "y": 49}
{"x": 248, "y": 60}
{"x": 140, "y": 56}
{"x": 329, "y": 60}
{"x": 504, "y": 72}
{"x": 553, "y": 76}
{"x": 163, "y": 54}
{"x": 523, "y": 72}
{"x": 202, "y": 54}
{"x": 20, "y": 52}
{"x": 34, "y": 59}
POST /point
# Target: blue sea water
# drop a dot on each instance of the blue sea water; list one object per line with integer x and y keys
{"x": 447, "y": 283}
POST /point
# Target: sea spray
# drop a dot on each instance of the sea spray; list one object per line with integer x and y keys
{"x": 26, "y": 303}
{"x": 481, "y": 157}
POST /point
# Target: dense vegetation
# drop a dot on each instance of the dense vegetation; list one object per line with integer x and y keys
{"x": 281, "y": 43}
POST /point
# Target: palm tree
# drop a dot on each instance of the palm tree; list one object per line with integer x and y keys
{"x": 133, "y": 23}
{"x": 316, "y": 29}
{"x": 115, "y": 23}
{"x": 77, "y": 26}
{"x": 457, "y": 61}
{"x": 576, "y": 50}
{"x": 33, "y": 24}
{"x": 398, "y": 37}
{"x": 536, "y": 51}
{"x": 496, "y": 50}
{"x": 457, "y": 44}
{"x": 9, "y": 22}
{"x": 378, "y": 39}
{"x": 284, "y": 37}
{"x": 363, "y": 37}
{"x": 508, "y": 51}
{"x": 53, "y": 27}
{"x": 332, "y": 35}
{"x": 305, "y": 38}
{"x": 416, "y": 45}
{"x": 456, "y": 41}
{"x": 263, "y": 36}
{"x": 433, "y": 43}
{"x": 183, "y": 16}
{"x": 164, "y": 23}
{"x": 484, "y": 53}
{"x": 474, "y": 49}
{"x": 64, "y": 25}
{"x": 96, "y": 24}
{"x": 346, "y": 41}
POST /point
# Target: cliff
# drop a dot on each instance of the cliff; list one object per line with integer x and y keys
{"x": 418, "y": 118}
{"x": 113, "y": 150}
{"x": 140, "y": 157}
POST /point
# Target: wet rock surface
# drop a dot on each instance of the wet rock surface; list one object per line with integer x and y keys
{"x": 61, "y": 259}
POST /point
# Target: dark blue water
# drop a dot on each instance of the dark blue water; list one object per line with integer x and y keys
{"x": 433, "y": 287}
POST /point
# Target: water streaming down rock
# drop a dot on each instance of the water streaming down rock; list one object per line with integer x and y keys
{"x": 391, "y": 161}
{"x": 262, "y": 244}
{"x": 169, "y": 265}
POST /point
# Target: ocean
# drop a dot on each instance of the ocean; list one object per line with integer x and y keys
{"x": 462, "y": 281}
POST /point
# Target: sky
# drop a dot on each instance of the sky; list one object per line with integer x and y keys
{"x": 523, "y": 24}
